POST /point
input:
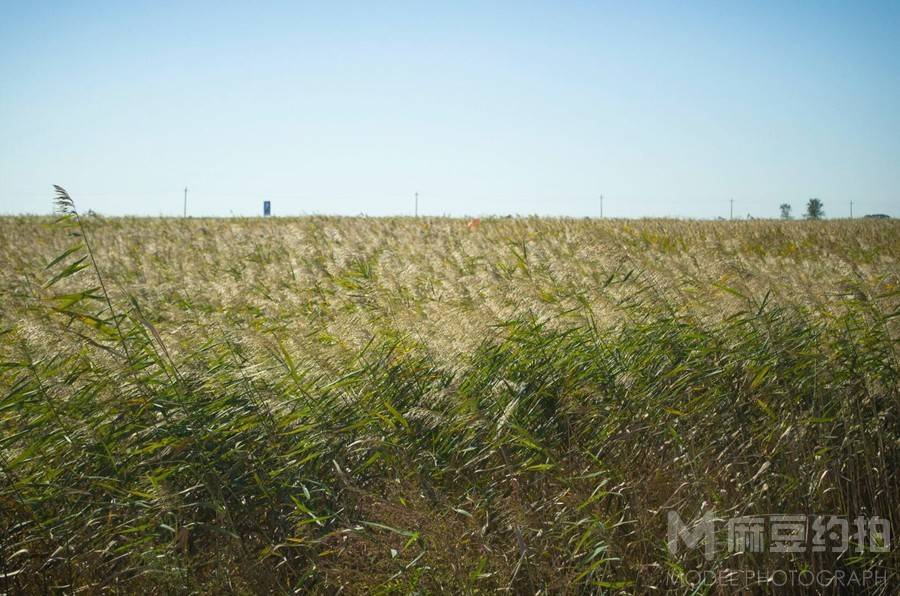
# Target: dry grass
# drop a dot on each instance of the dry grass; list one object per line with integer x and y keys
{"x": 392, "y": 405}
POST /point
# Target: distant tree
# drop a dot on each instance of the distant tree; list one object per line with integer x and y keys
{"x": 786, "y": 211}
{"x": 815, "y": 209}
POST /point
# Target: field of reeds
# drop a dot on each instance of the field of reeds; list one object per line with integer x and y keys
{"x": 394, "y": 405}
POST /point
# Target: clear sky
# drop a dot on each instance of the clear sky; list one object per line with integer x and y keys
{"x": 667, "y": 109}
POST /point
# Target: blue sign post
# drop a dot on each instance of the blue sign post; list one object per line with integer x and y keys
{"x": 267, "y": 208}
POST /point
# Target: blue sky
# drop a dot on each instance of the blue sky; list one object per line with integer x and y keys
{"x": 667, "y": 109}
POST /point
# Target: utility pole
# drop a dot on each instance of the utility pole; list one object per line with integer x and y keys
{"x": 417, "y": 205}
{"x": 185, "y": 201}
{"x": 731, "y": 210}
{"x": 601, "y": 206}
{"x": 851, "y": 209}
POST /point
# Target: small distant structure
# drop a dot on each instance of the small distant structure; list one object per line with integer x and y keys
{"x": 267, "y": 208}
{"x": 877, "y": 216}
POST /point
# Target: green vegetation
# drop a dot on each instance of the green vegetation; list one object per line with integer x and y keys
{"x": 392, "y": 405}
{"x": 815, "y": 209}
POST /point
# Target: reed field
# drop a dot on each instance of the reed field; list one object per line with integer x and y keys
{"x": 431, "y": 405}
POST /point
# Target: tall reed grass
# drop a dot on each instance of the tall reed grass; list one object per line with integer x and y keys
{"x": 395, "y": 406}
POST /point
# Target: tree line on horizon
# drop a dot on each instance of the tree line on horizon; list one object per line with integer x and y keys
{"x": 815, "y": 209}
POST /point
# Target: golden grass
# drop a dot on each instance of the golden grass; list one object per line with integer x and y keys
{"x": 421, "y": 404}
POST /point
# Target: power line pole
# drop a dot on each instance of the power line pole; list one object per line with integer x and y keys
{"x": 731, "y": 210}
{"x": 417, "y": 205}
{"x": 851, "y": 209}
{"x": 601, "y": 206}
{"x": 185, "y": 201}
